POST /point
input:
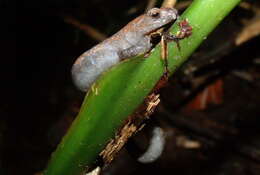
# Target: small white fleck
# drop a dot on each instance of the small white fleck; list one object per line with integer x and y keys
{"x": 155, "y": 148}
{"x": 177, "y": 57}
{"x": 96, "y": 171}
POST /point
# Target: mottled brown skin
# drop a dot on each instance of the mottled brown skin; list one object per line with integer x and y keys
{"x": 132, "y": 40}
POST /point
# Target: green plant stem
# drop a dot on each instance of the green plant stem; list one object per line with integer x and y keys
{"x": 123, "y": 88}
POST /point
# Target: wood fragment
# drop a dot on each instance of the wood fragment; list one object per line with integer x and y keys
{"x": 133, "y": 124}
{"x": 249, "y": 31}
{"x": 169, "y": 3}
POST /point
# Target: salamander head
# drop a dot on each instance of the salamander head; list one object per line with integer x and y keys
{"x": 157, "y": 18}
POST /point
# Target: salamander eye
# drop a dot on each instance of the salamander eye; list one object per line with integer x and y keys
{"x": 154, "y": 12}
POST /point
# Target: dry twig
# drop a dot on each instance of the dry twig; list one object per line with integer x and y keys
{"x": 89, "y": 31}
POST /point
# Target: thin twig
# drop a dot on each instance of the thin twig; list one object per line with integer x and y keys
{"x": 151, "y": 4}
{"x": 169, "y": 3}
{"x": 249, "y": 31}
{"x": 88, "y": 30}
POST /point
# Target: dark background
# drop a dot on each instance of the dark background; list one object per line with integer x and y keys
{"x": 47, "y": 48}
{"x": 38, "y": 97}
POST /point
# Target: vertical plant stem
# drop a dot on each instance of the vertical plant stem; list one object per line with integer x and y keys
{"x": 122, "y": 89}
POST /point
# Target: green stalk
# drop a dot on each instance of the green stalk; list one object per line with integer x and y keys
{"x": 124, "y": 87}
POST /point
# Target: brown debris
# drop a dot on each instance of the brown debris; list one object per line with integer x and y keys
{"x": 169, "y": 3}
{"x": 185, "y": 142}
{"x": 133, "y": 124}
{"x": 182, "y": 5}
{"x": 250, "y": 31}
{"x": 115, "y": 145}
{"x": 212, "y": 94}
